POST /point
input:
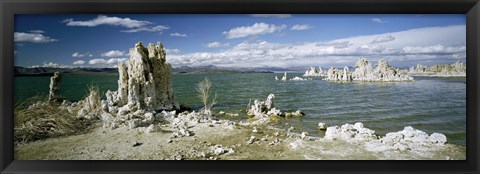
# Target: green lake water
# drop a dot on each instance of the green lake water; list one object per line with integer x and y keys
{"x": 429, "y": 104}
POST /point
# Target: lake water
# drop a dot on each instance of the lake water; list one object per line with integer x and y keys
{"x": 428, "y": 103}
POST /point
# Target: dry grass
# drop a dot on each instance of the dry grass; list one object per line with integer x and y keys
{"x": 45, "y": 121}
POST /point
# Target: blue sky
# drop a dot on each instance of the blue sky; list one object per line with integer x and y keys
{"x": 288, "y": 40}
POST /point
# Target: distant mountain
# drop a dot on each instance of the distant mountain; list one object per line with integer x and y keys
{"x": 48, "y": 71}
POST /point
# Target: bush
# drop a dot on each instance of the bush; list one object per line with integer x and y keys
{"x": 45, "y": 120}
{"x": 204, "y": 90}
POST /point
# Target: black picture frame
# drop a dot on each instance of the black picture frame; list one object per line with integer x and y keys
{"x": 471, "y": 8}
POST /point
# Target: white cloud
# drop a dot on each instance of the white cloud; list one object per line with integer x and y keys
{"x": 301, "y": 27}
{"x": 153, "y": 29}
{"x": 253, "y": 30}
{"x": 431, "y": 44}
{"x": 106, "y": 63}
{"x": 378, "y": 20}
{"x": 37, "y": 31}
{"x": 113, "y": 53}
{"x": 79, "y": 55}
{"x": 172, "y": 51}
{"x": 79, "y": 62}
{"x": 32, "y": 38}
{"x": 106, "y": 20}
{"x": 381, "y": 39}
{"x": 178, "y": 35}
{"x": 51, "y": 65}
{"x": 97, "y": 61}
{"x": 217, "y": 44}
{"x": 271, "y": 15}
{"x": 132, "y": 24}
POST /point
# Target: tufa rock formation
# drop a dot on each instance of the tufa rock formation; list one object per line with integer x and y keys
{"x": 334, "y": 74}
{"x": 364, "y": 72}
{"x": 146, "y": 84}
{"x": 284, "y": 78}
{"x": 407, "y": 139}
{"x": 55, "y": 88}
{"x": 314, "y": 72}
{"x": 263, "y": 110}
{"x": 456, "y": 69}
{"x": 382, "y": 72}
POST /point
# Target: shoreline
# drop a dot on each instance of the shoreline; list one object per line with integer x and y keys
{"x": 218, "y": 140}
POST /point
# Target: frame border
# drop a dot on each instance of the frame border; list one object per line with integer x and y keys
{"x": 471, "y": 8}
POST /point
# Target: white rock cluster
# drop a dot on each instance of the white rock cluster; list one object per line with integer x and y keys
{"x": 364, "y": 72}
{"x": 382, "y": 72}
{"x": 456, "y": 69}
{"x": 410, "y": 138}
{"x": 334, "y": 74}
{"x": 407, "y": 139}
{"x": 314, "y": 72}
{"x": 263, "y": 110}
{"x": 55, "y": 94}
{"x": 296, "y": 78}
{"x": 284, "y": 78}
{"x": 348, "y": 132}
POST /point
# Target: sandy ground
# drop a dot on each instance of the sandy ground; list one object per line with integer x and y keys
{"x": 124, "y": 143}
{"x": 212, "y": 142}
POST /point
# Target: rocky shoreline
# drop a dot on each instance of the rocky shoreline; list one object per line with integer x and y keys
{"x": 218, "y": 140}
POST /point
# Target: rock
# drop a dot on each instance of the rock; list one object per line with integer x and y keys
{"x": 348, "y": 132}
{"x": 134, "y": 123}
{"x": 412, "y": 139}
{"x": 263, "y": 110}
{"x": 219, "y": 150}
{"x": 334, "y": 74}
{"x": 108, "y": 120}
{"x": 322, "y": 126}
{"x": 296, "y": 78}
{"x": 251, "y": 140}
{"x": 314, "y": 72}
{"x": 437, "y": 138}
{"x": 456, "y": 69}
{"x": 147, "y": 83}
{"x": 152, "y": 128}
{"x": 284, "y": 78}
{"x": 104, "y": 105}
{"x": 297, "y": 113}
{"x": 382, "y": 72}
{"x": 135, "y": 144}
{"x": 82, "y": 113}
{"x": 148, "y": 118}
{"x": 364, "y": 72}
{"x": 392, "y": 138}
{"x": 290, "y": 129}
{"x": 55, "y": 93}
{"x": 255, "y": 130}
{"x": 304, "y": 135}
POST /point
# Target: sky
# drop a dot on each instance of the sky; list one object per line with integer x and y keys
{"x": 240, "y": 40}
